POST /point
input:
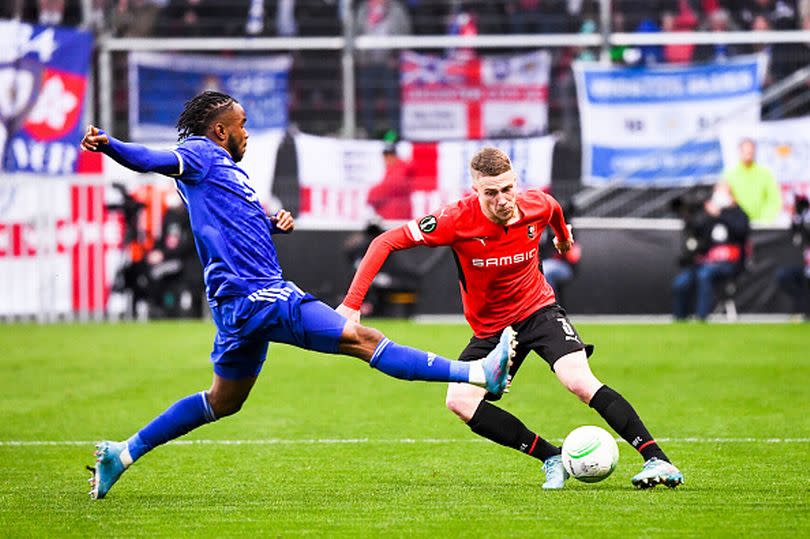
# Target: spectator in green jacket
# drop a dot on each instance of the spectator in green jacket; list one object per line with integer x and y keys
{"x": 753, "y": 186}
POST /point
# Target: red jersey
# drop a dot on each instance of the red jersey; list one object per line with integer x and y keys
{"x": 498, "y": 266}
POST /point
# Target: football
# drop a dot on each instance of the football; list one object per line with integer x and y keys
{"x": 590, "y": 454}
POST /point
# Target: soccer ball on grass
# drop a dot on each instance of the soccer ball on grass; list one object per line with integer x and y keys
{"x": 590, "y": 454}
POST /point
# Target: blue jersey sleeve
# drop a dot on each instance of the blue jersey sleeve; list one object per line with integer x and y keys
{"x": 140, "y": 158}
{"x": 196, "y": 157}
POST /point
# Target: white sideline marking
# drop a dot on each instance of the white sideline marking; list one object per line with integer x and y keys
{"x": 312, "y": 441}
{"x": 639, "y": 319}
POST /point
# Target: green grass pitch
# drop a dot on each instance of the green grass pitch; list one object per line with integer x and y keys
{"x": 340, "y": 450}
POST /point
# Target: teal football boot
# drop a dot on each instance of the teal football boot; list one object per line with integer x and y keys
{"x": 108, "y": 468}
{"x": 556, "y": 475}
{"x": 496, "y": 364}
{"x": 657, "y": 472}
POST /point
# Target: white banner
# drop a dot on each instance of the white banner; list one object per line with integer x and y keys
{"x": 336, "y": 175}
{"x": 59, "y": 246}
{"x": 464, "y": 97}
{"x": 658, "y": 124}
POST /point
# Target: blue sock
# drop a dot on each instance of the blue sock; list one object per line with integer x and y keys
{"x": 181, "y": 417}
{"x": 410, "y": 364}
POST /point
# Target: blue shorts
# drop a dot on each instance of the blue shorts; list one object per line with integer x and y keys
{"x": 281, "y": 313}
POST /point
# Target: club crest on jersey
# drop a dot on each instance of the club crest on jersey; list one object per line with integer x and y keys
{"x": 531, "y": 230}
{"x": 428, "y": 224}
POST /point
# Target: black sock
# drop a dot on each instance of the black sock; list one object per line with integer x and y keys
{"x": 503, "y": 428}
{"x": 621, "y": 416}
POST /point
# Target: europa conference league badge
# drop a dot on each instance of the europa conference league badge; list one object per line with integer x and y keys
{"x": 427, "y": 224}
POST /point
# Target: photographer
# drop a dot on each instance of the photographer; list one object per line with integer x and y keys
{"x": 715, "y": 237}
{"x": 174, "y": 272}
{"x": 133, "y": 276}
{"x": 795, "y": 280}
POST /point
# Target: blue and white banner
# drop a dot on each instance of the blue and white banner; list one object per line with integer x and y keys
{"x": 658, "y": 125}
{"x": 43, "y": 78}
{"x": 160, "y": 83}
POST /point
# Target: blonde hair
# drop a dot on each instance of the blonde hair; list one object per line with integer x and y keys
{"x": 489, "y": 161}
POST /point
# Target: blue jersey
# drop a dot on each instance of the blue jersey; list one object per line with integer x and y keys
{"x": 230, "y": 227}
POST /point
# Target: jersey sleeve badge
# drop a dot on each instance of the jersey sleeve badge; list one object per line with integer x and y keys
{"x": 428, "y": 224}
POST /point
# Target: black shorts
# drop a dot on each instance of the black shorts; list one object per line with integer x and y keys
{"x": 548, "y": 332}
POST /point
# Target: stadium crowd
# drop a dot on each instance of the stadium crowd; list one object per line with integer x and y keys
{"x": 315, "y": 81}
{"x": 424, "y": 17}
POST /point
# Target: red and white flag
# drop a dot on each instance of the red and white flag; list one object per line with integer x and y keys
{"x": 58, "y": 246}
{"x": 468, "y": 97}
{"x": 335, "y": 175}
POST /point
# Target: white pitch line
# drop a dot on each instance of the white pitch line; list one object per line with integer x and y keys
{"x": 350, "y": 441}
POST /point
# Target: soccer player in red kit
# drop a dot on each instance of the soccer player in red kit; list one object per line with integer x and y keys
{"x": 494, "y": 235}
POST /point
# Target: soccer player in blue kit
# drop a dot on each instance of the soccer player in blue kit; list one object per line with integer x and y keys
{"x": 250, "y": 301}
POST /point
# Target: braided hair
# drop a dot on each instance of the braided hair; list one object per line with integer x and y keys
{"x": 200, "y": 111}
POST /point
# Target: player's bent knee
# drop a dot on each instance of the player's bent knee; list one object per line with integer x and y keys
{"x": 575, "y": 374}
{"x": 464, "y": 408}
{"x": 461, "y": 403}
{"x": 582, "y": 389}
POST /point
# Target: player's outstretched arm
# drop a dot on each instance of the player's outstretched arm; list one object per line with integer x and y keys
{"x": 393, "y": 240}
{"x": 133, "y": 156}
